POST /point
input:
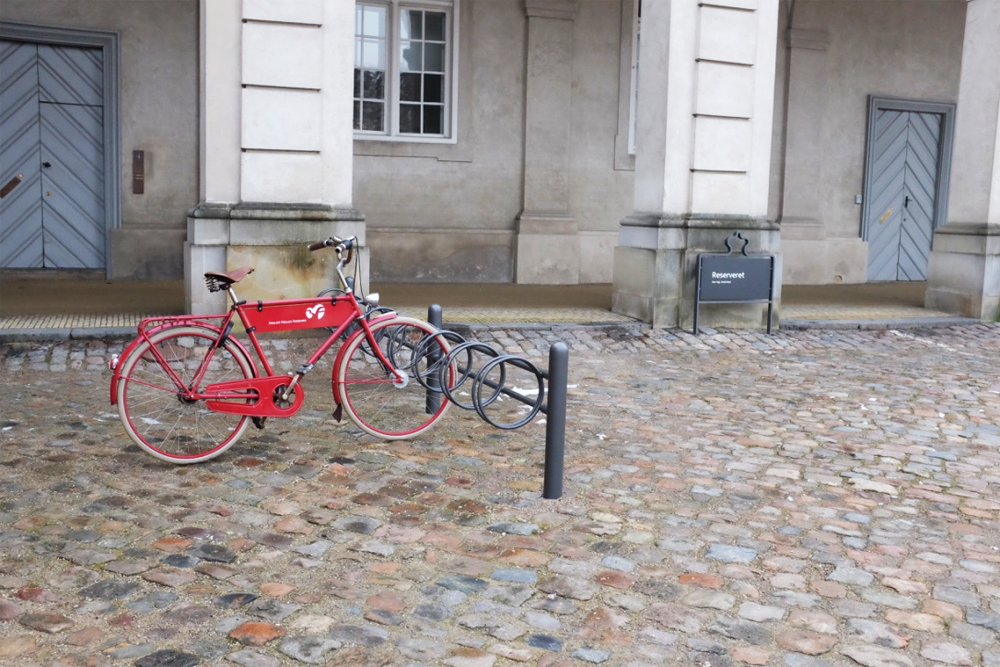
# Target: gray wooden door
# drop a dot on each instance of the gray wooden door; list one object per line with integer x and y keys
{"x": 52, "y": 132}
{"x": 904, "y": 182}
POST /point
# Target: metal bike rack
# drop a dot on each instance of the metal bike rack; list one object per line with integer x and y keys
{"x": 554, "y": 409}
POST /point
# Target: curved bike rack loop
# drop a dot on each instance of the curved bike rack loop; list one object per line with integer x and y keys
{"x": 484, "y": 391}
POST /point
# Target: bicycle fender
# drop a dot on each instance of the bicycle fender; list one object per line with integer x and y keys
{"x": 116, "y": 375}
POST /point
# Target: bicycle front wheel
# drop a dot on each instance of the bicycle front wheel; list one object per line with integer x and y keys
{"x": 374, "y": 398}
{"x": 154, "y": 410}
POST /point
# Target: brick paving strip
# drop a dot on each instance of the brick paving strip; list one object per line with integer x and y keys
{"x": 805, "y": 499}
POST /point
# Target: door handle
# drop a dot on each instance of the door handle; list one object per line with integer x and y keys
{"x": 906, "y": 201}
{"x": 46, "y": 164}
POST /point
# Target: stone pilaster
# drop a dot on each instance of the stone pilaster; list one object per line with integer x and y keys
{"x": 277, "y": 145}
{"x": 964, "y": 271}
{"x": 702, "y": 154}
{"x": 545, "y": 221}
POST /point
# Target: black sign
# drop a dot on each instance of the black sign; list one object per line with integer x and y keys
{"x": 734, "y": 277}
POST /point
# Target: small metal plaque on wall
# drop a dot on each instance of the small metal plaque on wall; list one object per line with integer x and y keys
{"x": 735, "y": 277}
{"x": 138, "y": 172}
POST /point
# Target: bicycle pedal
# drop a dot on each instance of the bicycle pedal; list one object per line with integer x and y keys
{"x": 259, "y": 422}
{"x": 338, "y": 412}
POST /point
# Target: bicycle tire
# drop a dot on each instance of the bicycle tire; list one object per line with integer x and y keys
{"x": 154, "y": 413}
{"x": 368, "y": 393}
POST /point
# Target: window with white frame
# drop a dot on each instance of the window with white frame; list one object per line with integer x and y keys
{"x": 403, "y": 69}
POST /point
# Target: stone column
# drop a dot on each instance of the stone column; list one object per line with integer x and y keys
{"x": 703, "y": 154}
{"x": 219, "y": 148}
{"x": 546, "y": 221}
{"x": 964, "y": 271}
{"x": 277, "y": 141}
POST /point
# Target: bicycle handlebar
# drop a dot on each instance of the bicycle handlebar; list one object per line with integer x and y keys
{"x": 340, "y": 245}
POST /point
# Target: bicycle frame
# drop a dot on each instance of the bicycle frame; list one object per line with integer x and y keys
{"x": 336, "y": 312}
{"x": 187, "y": 388}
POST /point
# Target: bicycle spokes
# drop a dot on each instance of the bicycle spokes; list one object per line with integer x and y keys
{"x": 380, "y": 402}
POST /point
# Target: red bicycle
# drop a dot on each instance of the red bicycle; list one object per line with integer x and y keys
{"x": 187, "y": 388}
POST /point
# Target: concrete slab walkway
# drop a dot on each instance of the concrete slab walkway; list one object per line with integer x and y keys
{"x": 33, "y": 308}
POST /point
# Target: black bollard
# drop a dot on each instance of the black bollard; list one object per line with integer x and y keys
{"x": 435, "y": 318}
{"x": 555, "y": 425}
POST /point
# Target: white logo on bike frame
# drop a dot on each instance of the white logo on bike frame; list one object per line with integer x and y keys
{"x": 316, "y": 311}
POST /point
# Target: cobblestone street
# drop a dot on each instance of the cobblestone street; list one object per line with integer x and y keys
{"x": 805, "y": 499}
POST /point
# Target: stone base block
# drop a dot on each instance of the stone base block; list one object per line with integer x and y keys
{"x": 656, "y": 264}
{"x": 963, "y": 276}
{"x": 198, "y": 260}
{"x": 272, "y": 238}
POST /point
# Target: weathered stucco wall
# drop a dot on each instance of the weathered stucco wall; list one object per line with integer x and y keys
{"x": 601, "y": 194}
{"x": 158, "y": 114}
{"x": 898, "y": 48}
{"x": 449, "y": 216}
{"x": 452, "y": 217}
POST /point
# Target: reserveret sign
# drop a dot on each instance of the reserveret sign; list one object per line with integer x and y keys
{"x": 734, "y": 277}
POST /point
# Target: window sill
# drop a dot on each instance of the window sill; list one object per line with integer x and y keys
{"x": 444, "y": 150}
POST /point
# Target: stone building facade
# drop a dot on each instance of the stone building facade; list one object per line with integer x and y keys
{"x": 530, "y": 141}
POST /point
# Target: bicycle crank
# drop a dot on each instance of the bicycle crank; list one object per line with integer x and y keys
{"x": 279, "y": 399}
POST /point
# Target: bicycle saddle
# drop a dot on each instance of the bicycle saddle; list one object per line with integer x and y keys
{"x": 216, "y": 280}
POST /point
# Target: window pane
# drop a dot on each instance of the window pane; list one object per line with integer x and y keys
{"x": 411, "y": 56}
{"x": 373, "y": 54}
{"x": 433, "y": 121}
{"x": 374, "y": 85}
{"x": 411, "y": 27}
{"x": 434, "y": 26}
{"x": 413, "y": 82}
{"x": 372, "y": 119}
{"x": 409, "y": 87}
{"x": 373, "y": 21}
{"x": 434, "y": 57}
{"x": 433, "y": 88}
{"x": 409, "y": 118}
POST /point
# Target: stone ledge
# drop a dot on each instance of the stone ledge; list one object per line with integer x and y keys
{"x": 275, "y": 211}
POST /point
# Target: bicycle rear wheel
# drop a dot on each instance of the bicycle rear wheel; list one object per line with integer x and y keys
{"x": 370, "y": 393}
{"x": 153, "y": 409}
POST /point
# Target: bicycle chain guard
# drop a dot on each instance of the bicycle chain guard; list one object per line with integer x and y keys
{"x": 236, "y": 394}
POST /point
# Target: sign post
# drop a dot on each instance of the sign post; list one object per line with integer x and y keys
{"x": 735, "y": 277}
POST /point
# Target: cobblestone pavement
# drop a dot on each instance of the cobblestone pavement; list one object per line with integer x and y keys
{"x": 804, "y": 499}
